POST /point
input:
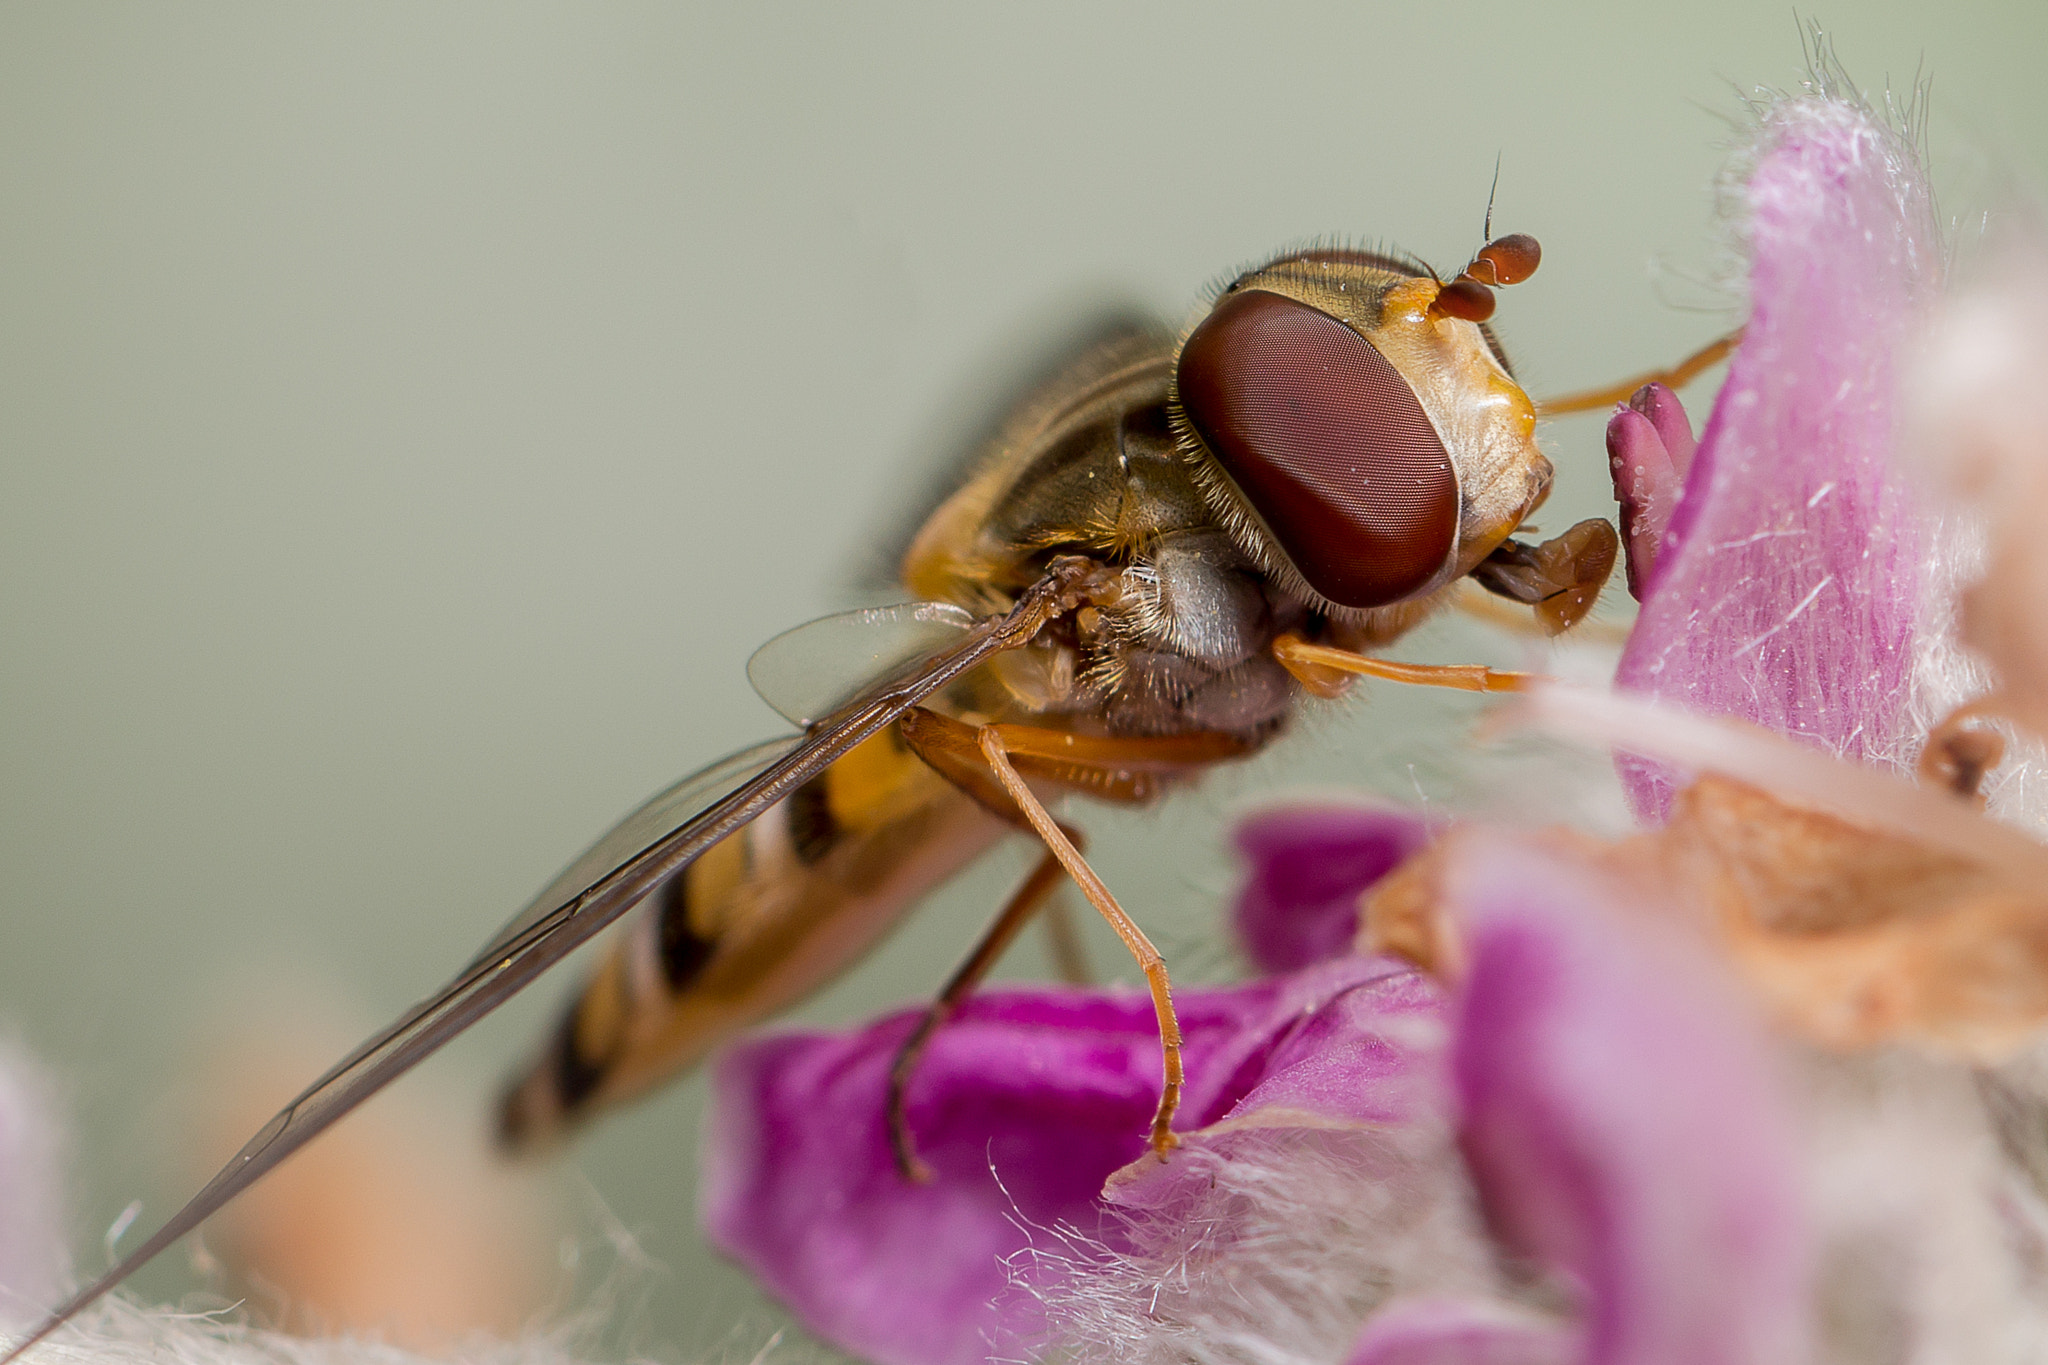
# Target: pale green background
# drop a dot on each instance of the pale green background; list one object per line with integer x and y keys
{"x": 411, "y": 417}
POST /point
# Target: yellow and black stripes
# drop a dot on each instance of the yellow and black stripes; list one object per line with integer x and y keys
{"x": 760, "y": 920}
{"x": 684, "y": 951}
{"x": 812, "y": 827}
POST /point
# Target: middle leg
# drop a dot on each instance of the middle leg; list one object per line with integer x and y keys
{"x": 984, "y": 761}
{"x": 1323, "y": 670}
{"x": 1149, "y": 961}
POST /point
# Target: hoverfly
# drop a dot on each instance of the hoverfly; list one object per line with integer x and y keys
{"x": 1166, "y": 549}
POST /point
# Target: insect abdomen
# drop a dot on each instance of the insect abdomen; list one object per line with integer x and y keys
{"x": 757, "y": 923}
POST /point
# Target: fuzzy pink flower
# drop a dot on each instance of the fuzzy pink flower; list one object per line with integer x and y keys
{"x": 1584, "y": 1153}
{"x": 1306, "y": 867}
{"x": 1621, "y": 1118}
{"x": 1790, "y": 584}
{"x": 1650, "y": 447}
{"x": 1592, "y": 1091}
{"x": 1023, "y": 1106}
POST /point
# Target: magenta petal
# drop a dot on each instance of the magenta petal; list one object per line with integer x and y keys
{"x": 1308, "y": 866}
{"x": 1462, "y": 1332}
{"x": 1649, "y": 448}
{"x": 1331, "y": 1183}
{"x": 799, "y": 1185}
{"x": 1788, "y": 589}
{"x": 1342, "y": 1044}
{"x": 1622, "y": 1121}
{"x": 1668, "y": 418}
{"x": 1023, "y": 1106}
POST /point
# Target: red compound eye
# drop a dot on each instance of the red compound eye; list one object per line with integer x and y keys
{"x": 1327, "y": 442}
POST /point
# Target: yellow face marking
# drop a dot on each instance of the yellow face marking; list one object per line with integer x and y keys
{"x": 1487, "y": 422}
{"x": 1425, "y": 347}
{"x": 1408, "y": 302}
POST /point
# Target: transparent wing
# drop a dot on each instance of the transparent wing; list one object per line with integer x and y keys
{"x": 617, "y": 873}
{"x": 804, "y": 673}
{"x": 656, "y": 817}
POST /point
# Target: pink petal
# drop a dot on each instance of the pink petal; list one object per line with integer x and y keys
{"x": 1649, "y": 448}
{"x": 1331, "y": 1183}
{"x": 1788, "y": 588}
{"x": 1307, "y": 867}
{"x": 1023, "y": 1106}
{"x": 1622, "y": 1121}
{"x": 1668, "y": 419}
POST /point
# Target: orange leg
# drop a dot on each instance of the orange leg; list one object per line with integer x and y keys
{"x": 949, "y": 747}
{"x": 1063, "y": 940}
{"x": 1477, "y": 602}
{"x": 1679, "y": 375}
{"x": 1016, "y": 913}
{"x": 988, "y": 763}
{"x": 1129, "y": 769}
{"x": 1322, "y": 667}
{"x": 1149, "y": 961}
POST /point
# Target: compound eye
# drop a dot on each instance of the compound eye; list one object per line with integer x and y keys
{"x": 1327, "y": 442}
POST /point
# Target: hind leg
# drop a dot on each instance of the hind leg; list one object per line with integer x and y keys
{"x": 1026, "y": 901}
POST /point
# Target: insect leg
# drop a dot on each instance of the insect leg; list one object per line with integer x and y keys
{"x": 1023, "y": 903}
{"x": 1677, "y": 376}
{"x": 1126, "y": 769}
{"x": 1561, "y": 578}
{"x": 1063, "y": 940}
{"x": 1129, "y": 769}
{"x": 1482, "y": 605}
{"x": 1322, "y": 669}
{"x": 948, "y": 747}
{"x": 993, "y": 750}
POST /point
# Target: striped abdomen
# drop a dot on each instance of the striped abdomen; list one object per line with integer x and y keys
{"x": 759, "y": 922}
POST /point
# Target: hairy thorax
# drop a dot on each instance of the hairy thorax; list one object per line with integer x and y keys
{"x": 1183, "y": 641}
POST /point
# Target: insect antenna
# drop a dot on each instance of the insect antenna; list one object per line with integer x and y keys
{"x": 1486, "y": 232}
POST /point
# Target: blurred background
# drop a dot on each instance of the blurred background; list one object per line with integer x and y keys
{"x": 411, "y": 417}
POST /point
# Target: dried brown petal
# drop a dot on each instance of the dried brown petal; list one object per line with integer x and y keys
{"x": 1402, "y": 916}
{"x": 1852, "y": 937}
{"x": 1857, "y": 937}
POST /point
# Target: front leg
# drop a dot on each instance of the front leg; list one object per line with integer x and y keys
{"x": 1676, "y": 377}
{"x": 1561, "y": 578}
